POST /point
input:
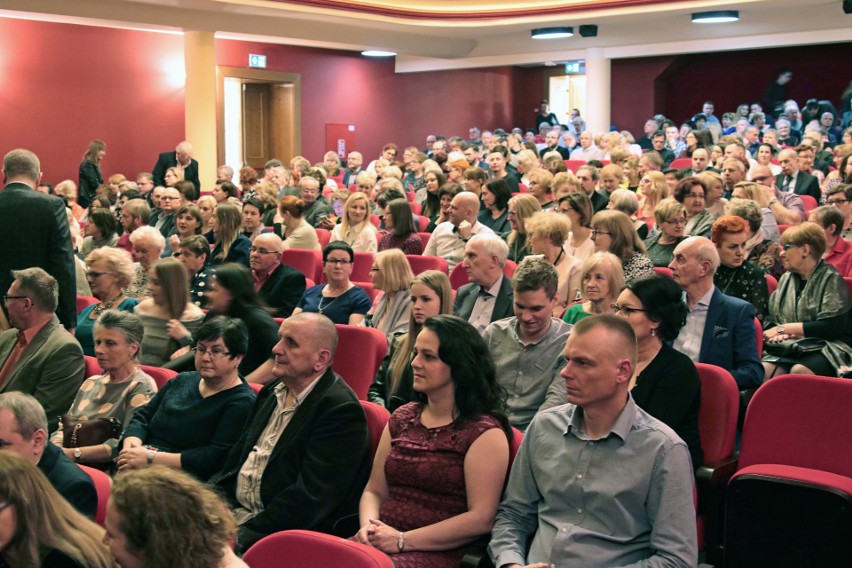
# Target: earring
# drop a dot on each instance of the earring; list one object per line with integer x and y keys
{"x": 653, "y": 333}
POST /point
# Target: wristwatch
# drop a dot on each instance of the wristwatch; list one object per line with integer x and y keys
{"x": 78, "y": 453}
{"x": 151, "y": 452}
{"x": 781, "y": 329}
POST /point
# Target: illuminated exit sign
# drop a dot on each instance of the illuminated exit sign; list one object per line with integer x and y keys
{"x": 257, "y": 61}
{"x": 575, "y": 67}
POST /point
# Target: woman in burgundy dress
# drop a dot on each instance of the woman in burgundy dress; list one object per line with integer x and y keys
{"x": 442, "y": 460}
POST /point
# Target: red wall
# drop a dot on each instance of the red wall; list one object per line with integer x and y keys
{"x": 634, "y": 92}
{"x": 64, "y": 85}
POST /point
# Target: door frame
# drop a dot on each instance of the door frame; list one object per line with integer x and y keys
{"x": 257, "y": 76}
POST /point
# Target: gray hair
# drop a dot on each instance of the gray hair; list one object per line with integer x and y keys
{"x": 149, "y": 232}
{"x": 748, "y": 210}
{"x": 128, "y": 323}
{"x": 29, "y": 414}
{"x": 706, "y": 251}
{"x": 42, "y": 286}
{"x": 625, "y": 201}
{"x": 119, "y": 262}
{"x": 21, "y": 163}
{"x": 492, "y": 245}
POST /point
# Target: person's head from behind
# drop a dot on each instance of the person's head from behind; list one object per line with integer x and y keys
{"x": 160, "y": 517}
{"x": 32, "y": 297}
{"x": 534, "y": 284}
{"x": 601, "y": 355}
{"x": 231, "y": 290}
{"x": 391, "y": 271}
{"x": 451, "y": 358}
{"x": 654, "y": 307}
{"x": 23, "y": 426}
{"x": 306, "y": 347}
{"x": 22, "y": 166}
{"x": 118, "y": 338}
{"x": 485, "y": 256}
{"x": 221, "y": 344}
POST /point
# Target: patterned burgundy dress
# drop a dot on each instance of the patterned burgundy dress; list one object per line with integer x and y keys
{"x": 425, "y": 476}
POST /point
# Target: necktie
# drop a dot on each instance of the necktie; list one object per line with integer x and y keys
{"x": 787, "y": 181}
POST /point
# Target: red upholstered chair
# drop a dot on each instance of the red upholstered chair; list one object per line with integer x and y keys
{"x": 363, "y": 266}
{"x": 523, "y": 188}
{"x": 92, "y": 366}
{"x": 790, "y": 502}
{"x": 663, "y": 271}
{"x": 255, "y": 387}
{"x": 374, "y": 219}
{"x": 422, "y": 225}
{"x": 377, "y": 419}
{"x": 103, "y": 485}
{"x": 424, "y": 237}
{"x": 717, "y": 425}
{"x": 771, "y": 283}
{"x": 509, "y": 268}
{"x": 782, "y": 228}
{"x": 574, "y": 164}
{"x": 308, "y": 549}
{"x": 416, "y": 208}
{"x": 848, "y": 283}
{"x": 458, "y": 277}
{"x": 809, "y": 202}
{"x": 161, "y": 376}
{"x": 360, "y": 351}
{"x": 323, "y": 236}
{"x": 681, "y": 163}
{"x": 279, "y": 321}
{"x": 309, "y": 282}
{"x": 85, "y": 301}
{"x": 758, "y": 337}
{"x": 368, "y": 288}
{"x": 305, "y": 261}
{"x": 410, "y": 196}
{"x": 421, "y": 263}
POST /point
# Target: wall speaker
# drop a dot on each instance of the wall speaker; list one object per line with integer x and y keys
{"x": 847, "y": 7}
{"x": 592, "y": 31}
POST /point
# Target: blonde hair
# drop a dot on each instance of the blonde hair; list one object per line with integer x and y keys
{"x": 344, "y": 220}
{"x": 563, "y": 180}
{"x": 543, "y": 177}
{"x": 119, "y": 262}
{"x": 550, "y": 225}
{"x": 657, "y": 190}
{"x": 396, "y": 271}
{"x": 615, "y": 274}
{"x": 525, "y": 207}
{"x": 667, "y": 209}
{"x": 230, "y": 223}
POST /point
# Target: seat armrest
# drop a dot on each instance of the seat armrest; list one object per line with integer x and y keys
{"x": 477, "y": 559}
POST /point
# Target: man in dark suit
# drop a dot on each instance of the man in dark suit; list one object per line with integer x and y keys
{"x": 488, "y": 296}
{"x": 588, "y": 176}
{"x": 719, "y": 329}
{"x": 278, "y": 286}
{"x": 34, "y": 231}
{"x": 793, "y": 179}
{"x": 23, "y": 430}
{"x": 303, "y": 459}
{"x": 39, "y": 357}
{"x": 181, "y": 157}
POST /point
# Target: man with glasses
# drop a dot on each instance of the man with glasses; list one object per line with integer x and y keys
{"x": 840, "y": 196}
{"x": 170, "y": 202}
{"x": 278, "y": 286}
{"x": 786, "y": 206}
{"x": 317, "y": 208}
{"x": 719, "y": 329}
{"x": 303, "y": 457}
{"x": 353, "y": 167}
{"x": 39, "y": 357}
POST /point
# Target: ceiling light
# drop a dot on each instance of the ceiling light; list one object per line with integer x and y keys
{"x": 377, "y": 53}
{"x": 552, "y": 33}
{"x": 715, "y": 17}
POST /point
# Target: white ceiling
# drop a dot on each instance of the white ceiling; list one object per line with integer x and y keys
{"x": 431, "y": 44}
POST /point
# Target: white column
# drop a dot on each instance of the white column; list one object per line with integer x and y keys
{"x": 598, "y": 80}
{"x": 199, "y": 52}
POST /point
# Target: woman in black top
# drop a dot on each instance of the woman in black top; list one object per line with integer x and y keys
{"x": 90, "y": 177}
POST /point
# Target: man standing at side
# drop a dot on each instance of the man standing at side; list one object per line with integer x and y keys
{"x": 34, "y": 231}
{"x": 598, "y": 482}
{"x": 303, "y": 458}
{"x": 39, "y": 357}
{"x": 180, "y": 158}
{"x": 527, "y": 347}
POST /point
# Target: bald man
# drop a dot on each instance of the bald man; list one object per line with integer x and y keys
{"x": 449, "y": 238}
{"x": 278, "y": 286}
{"x": 303, "y": 458}
{"x": 182, "y": 158}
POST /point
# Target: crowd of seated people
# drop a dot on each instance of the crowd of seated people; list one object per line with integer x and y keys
{"x": 687, "y": 256}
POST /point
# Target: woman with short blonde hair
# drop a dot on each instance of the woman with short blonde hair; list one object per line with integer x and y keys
{"x": 547, "y": 232}
{"x": 521, "y": 207}
{"x": 391, "y": 273}
{"x": 612, "y": 231}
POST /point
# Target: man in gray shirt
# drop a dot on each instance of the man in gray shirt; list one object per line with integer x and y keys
{"x": 527, "y": 348}
{"x": 598, "y": 482}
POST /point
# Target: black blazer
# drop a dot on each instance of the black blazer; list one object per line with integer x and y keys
{"x": 806, "y": 184}
{"x": 317, "y": 470}
{"x": 89, "y": 179}
{"x": 34, "y": 232}
{"x": 69, "y": 480}
{"x": 503, "y": 305}
{"x": 169, "y": 160}
{"x": 282, "y": 291}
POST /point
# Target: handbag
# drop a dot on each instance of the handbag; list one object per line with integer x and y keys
{"x": 795, "y": 348}
{"x": 81, "y": 433}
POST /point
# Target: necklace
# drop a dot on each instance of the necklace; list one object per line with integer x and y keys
{"x": 559, "y": 256}
{"x": 730, "y": 279}
{"x": 104, "y": 306}
{"x": 321, "y": 309}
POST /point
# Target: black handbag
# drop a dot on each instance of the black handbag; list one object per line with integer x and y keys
{"x": 795, "y": 348}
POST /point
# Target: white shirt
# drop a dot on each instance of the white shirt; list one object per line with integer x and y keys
{"x": 688, "y": 341}
{"x": 483, "y": 309}
{"x": 448, "y": 244}
{"x": 361, "y": 240}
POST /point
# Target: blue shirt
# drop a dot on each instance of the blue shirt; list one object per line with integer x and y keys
{"x": 354, "y": 301}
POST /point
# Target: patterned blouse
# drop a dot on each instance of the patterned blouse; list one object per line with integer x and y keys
{"x": 746, "y": 282}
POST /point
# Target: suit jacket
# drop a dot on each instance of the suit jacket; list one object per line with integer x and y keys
{"x": 34, "y": 232}
{"x": 282, "y": 291}
{"x": 806, "y": 184}
{"x": 503, "y": 305}
{"x": 169, "y": 160}
{"x": 599, "y": 201}
{"x": 69, "y": 480}
{"x": 89, "y": 178}
{"x": 729, "y": 339}
{"x": 51, "y": 368}
{"x": 317, "y": 470}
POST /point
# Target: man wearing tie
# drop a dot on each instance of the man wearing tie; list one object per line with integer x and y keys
{"x": 488, "y": 296}
{"x": 794, "y": 180}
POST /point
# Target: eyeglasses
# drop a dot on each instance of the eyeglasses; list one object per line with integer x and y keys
{"x": 94, "y": 274}
{"x": 675, "y": 221}
{"x": 214, "y": 353}
{"x": 761, "y": 179}
{"x": 644, "y": 181}
{"x": 788, "y": 246}
{"x": 695, "y": 195}
{"x": 836, "y": 202}
{"x": 263, "y": 251}
{"x": 513, "y": 213}
{"x": 375, "y": 269}
{"x": 309, "y": 191}
{"x": 596, "y": 232}
{"x": 342, "y": 261}
{"x": 626, "y": 310}
{"x": 7, "y": 298}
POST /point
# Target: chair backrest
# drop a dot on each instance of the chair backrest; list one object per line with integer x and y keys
{"x": 363, "y": 266}
{"x": 92, "y": 366}
{"x": 523, "y": 188}
{"x": 574, "y": 164}
{"x": 369, "y": 289}
{"x": 663, "y": 271}
{"x": 377, "y": 419}
{"x": 782, "y": 228}
{"x": 771, "y": 283}
{"x": 801, "y": 421}
{"x": 416, "y": 208}
{"x": 85, "y": 301}
{"x": 509, "y": 268}
{"x": 303, "y": 260}
{"x": 323, "y": 236}
{"x": 681, "y": 163}
{"x": 758, "y": 337}
{"x": 717, "y": 416}
{"x": 848, "y": 281}
{"x": 161, "y": 376}
{"x": 374, "y": 219}
{"x": 410, "y": 195}
{"x": 422, "y": 225}
{"x": 308, "y": 549}
{"x": 424, "y": 236}
{"x": 423, "y": 263}
{"x": 360, "y": 351}
{"x": 458, "y": 277}
{"x": 255, "y": 387}
{"x": 103, "y": 486}
{"x": 809, "y": 202}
